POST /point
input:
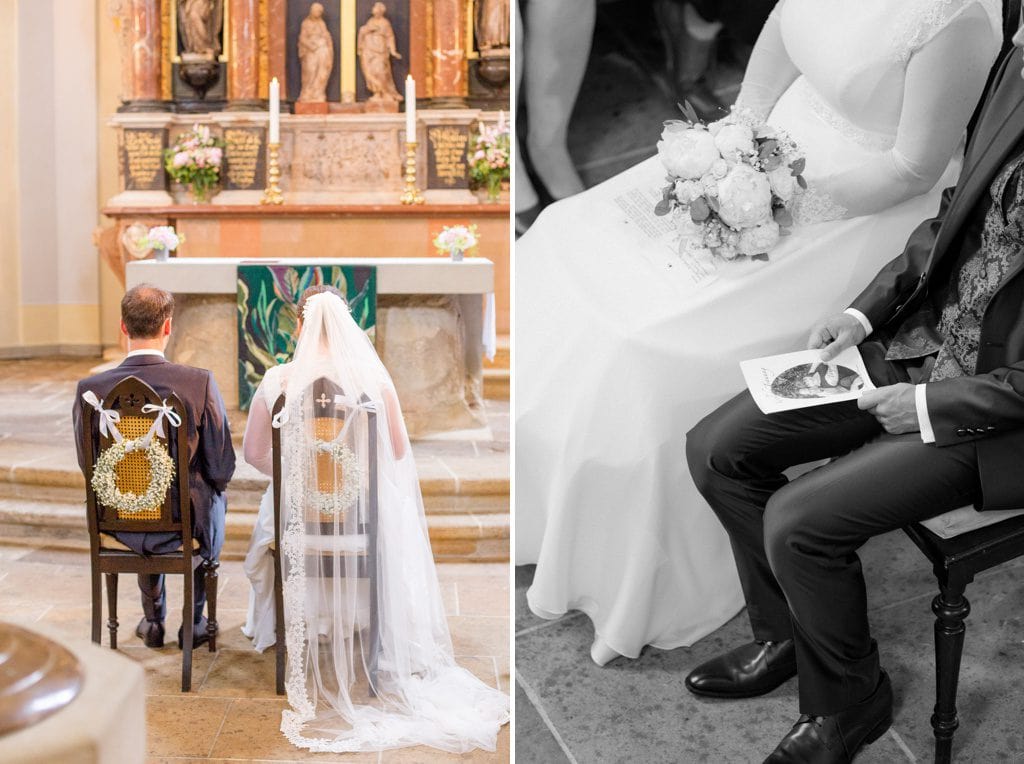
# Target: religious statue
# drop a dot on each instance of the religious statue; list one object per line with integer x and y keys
{"x": 492, "y": 24}
{"x": 199, "y": 22}
{"x": 376, "y": 44}
{"x": 316, "y": 52}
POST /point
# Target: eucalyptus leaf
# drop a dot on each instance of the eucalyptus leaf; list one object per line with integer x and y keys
{"x": 783, "y": 217}
{"x": 761, "y": 256}
{"x": 688, "y": 111}
{"x": 771, "y": 163}
{"x": 801, "y": 182}
{"x": 798, "y": 166}
{"x": 663, "y": 207}
{"x": 713, "y": 204}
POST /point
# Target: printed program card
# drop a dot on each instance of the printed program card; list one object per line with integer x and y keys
{"x": 801, "y": 380}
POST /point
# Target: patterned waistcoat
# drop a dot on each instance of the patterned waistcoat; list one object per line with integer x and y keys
{"x": 955, "y": 335}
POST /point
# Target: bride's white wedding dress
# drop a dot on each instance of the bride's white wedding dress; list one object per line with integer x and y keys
{"x": 362, "y": 604}
{"x": 621, "y": 345}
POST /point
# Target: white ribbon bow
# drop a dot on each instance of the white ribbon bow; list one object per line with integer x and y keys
{"x": 166, "y": 412}
{"x": 280, "y": 418}
{"x": 108, "y": 417}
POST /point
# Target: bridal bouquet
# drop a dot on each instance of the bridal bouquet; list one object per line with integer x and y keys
{"x": 194, "y": 161}
{"x": 737, "y": 179}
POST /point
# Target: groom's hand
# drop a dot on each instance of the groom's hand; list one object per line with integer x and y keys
{"x": 835, "y": 334}
{"x": 893, "y": 406}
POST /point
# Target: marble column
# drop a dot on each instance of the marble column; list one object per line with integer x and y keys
{"x": 277, "y": 33}
{"x": 142, "y": 58}
{"x": 448, "y": 54}
{"x": 243, "y": 56}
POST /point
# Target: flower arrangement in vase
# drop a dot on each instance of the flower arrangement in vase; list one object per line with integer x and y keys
{"x": 455, "y": 240}
{"x": 489, "y": 157}
{"x": 738, "y": 179}
{"x": 194, "y": 161}
{"x": 161, "y": 239}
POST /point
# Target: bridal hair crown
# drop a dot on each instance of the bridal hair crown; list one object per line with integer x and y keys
{"x": 315, "y": 299}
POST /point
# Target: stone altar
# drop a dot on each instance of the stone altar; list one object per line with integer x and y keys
{"x": 430, "y": 319}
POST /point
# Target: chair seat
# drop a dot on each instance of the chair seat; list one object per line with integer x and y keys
{"x": 109, "y": 542}
{"x": 966, "y": 519}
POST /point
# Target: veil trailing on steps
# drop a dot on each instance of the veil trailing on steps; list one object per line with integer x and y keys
{"x": 370, "y": 663}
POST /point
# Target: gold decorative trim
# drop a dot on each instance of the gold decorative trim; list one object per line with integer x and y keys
{"x": 165, "y": 49}
{"x": 263, "y": 81}
{"x": 470, "y": 47}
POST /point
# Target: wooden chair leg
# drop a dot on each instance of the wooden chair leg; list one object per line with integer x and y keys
{"x": 97, "y": 601}
{"x": 210, "y": 574}
{"x": 112, "y": 609}
{"x": 187, "y": 614}
{"x": 279, "y": 646}
{"x": 950, "y": 608}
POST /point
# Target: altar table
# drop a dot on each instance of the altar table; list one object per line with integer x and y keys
{"x": 430, "y": 327}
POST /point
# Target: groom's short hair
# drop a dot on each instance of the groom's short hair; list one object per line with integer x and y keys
{"x": 144, "y": 308}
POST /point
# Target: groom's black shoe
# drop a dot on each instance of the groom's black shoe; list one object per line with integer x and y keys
{"x": 745, "y": 672}
{"x": 151, "y": 633}
{"x": 836, "y": 739}
{"x": 199, "y": 634}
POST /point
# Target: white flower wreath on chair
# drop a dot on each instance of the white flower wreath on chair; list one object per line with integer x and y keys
{"x": 161, "y": 466}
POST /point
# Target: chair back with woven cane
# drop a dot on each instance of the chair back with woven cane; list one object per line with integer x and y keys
{"x": 133, "y": 439}
{"x": 330, "y": 478}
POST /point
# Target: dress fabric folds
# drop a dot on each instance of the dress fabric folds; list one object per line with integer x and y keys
{"x": 622, "y": 346}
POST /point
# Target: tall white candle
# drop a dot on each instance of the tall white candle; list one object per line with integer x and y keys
{"x": 410, "y": 109}
{"x": 275, "y": 111}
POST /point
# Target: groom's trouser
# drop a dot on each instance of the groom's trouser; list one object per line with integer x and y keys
{"x": 795, "y": 543}
{"x": 154, "y": 595}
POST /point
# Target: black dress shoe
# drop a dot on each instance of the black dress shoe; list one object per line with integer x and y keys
{"x": 199, "y": 635}
{"x": 151, "y": 633}
{"x": 745, "y": 672}
{"x": 836, "y": 739}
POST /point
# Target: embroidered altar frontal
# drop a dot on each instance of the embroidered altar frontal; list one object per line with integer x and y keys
{"x": 267, "y": 316}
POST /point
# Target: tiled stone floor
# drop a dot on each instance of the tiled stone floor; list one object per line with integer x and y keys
{"x": 233, "y": 714}
{"x": 569, "y": 709}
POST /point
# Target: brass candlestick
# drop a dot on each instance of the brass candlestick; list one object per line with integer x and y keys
{"x": 272, "y": 193}
{"x": 411, "y": 195}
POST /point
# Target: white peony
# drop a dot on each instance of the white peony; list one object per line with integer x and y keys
{"x": 782, "y": 182}
{"x": 688, "y": 190}
{"x": 685, "y": 152}
{"x": 733, "y": 140}
{"x": 727, "y": 252}
{"x": 744, "y": 197}
{"x": 755, "y": 241}
{"x": 720, "y": 169}
{"x": 709, "y": 184}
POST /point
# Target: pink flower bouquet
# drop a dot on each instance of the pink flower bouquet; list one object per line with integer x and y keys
{"x": 194, "y": 161}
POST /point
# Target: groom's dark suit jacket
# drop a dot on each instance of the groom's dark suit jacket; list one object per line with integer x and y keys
{"x": 211, "y": 454}
{"x": 988, "y": 406}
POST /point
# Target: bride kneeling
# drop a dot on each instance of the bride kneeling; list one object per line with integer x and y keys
{"x": 370, "y": 663}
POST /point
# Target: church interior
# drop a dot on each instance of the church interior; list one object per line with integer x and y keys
{"x": 281, "y": 143}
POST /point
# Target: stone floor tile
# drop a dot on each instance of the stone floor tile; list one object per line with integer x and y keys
{"x": 482, "y": 599}
{"x": 252, "y": 730}
{"x": 241, "y": 674}
{"x": 483, "y": 668}
{"x": 163, "y": 666}
{"x": 183, "y": 725}
{"x": 535, "y": 744}
{"x": 480, "y": 636}
{"x": 425, "y": 755}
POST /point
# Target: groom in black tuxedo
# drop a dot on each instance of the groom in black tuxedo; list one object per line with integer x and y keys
{"x": 941, "y": 329}
{"x": 146, "y": 320}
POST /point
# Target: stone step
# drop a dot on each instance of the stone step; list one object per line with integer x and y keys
{"x": 464, "y": 537}
{"x": 497, "y": 384}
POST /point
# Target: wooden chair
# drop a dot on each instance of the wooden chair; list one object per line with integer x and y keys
{"x": 109, "y": 556}
{"x": 326, "y": 428}
{"x": 986, "y": 540}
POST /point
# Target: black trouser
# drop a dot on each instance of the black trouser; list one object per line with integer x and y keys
{"x": 743, "y": 19}
{"x": 795, "y": 543}
{"x": 154, "y": 595}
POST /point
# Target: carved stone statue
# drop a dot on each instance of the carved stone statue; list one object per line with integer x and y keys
{"x": 376, "y": 45}
{"x": 199, "y": 22}
{"x": 316, "y": 52}
{"x": 492, "y": 24}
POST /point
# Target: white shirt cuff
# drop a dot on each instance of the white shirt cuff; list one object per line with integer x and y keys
{"x": 924, "y": 422}
{"x": 860, "y": 317}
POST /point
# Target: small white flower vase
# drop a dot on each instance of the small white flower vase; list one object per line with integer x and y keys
{"x": 456, "y": 255}
{"x": 160, "y": 254}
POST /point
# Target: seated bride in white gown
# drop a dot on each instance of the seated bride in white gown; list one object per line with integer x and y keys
{"x": 370, "y": 663}
{"x": 622, "y": 346}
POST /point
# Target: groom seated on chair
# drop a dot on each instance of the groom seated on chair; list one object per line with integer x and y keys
{"x": 146, "y": 321}
{"x": 941, "y": 329}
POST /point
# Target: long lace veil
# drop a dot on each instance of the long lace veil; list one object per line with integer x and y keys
{"x": 370, "y": 662}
